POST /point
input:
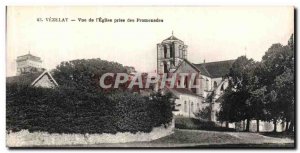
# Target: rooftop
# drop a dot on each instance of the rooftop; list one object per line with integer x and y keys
{"x": 172, "y": 39}
{"x": 24, "y": 79}
{"x": 29, "y": 57}
{"x": 215, "y": 69}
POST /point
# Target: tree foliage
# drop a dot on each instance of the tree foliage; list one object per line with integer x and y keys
{"x": 84, "y": 74}
{"x": 278, "y": 76}
{"x": 261, "y": 90}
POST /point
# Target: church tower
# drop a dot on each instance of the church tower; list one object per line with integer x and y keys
{"x": 28, "y": 63}
{"x": 170, "y": 52}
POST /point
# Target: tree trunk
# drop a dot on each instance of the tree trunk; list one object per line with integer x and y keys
{"x": 257, "y": 125}
{"x": 275, "y": 125}
{"x": 227, "y": 124}
{"x": 248, "y": 125}
{"x": 286, "y": 125}
{"x": 291, "y": 127}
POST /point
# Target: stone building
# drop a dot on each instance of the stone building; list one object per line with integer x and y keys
{"x": 31, "y": 73}
{"x": 172, "y": 58}
{"x": 28, "y": 63}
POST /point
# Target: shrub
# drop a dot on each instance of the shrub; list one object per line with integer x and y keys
{"x": 65, "y": 110}
{"x": 198, "y": 124}
{"x": 204, "y": 113}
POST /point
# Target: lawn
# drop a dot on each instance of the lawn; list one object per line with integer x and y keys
{"x": 209, "y": 139}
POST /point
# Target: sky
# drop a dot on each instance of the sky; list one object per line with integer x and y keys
{"x": 211, "y": 33}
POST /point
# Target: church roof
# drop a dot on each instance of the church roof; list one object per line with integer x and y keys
{"x": 172, "y": 38}
{"x": 215, "y": 69}
{"x": 203, "y": 70}
{"x": 29, "y": 56}
{"x": 188, "y": 62}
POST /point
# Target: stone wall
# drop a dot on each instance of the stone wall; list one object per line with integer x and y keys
{"x": 25, "y": 138}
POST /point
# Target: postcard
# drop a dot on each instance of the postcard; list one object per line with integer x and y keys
{"x": 150, "y": 77}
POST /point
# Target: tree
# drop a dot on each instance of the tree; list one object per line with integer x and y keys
{"x": 236, "y": 105}
{"x": 262, "y": 90}
{"x": 231, "y": 108}
{"x": 278, "y": 77}
{"x": 84, "y": 74}
{"x": 204, "y": 113}
{"x": 257, "y": 100}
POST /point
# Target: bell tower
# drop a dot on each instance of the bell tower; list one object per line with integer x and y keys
{"x": 170, "y": 52}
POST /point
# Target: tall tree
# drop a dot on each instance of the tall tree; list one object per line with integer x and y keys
{"x": 262, "y": 90}
{"x": 236, "y": 105}
{"x": 278, "y": 77}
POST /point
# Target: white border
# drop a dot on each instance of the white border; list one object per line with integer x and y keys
{"x": 4, "y": 3}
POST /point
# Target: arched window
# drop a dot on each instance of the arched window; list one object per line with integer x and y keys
{"x": 194, "y": 90}
{"x": 186, "y": 82}
{"x": 165, "y": 51}
{"x": 165, "y": 67}
{"x": 215, "y": 84}
{"x": 185, "y": 107}
{"x": 171, "y": 52}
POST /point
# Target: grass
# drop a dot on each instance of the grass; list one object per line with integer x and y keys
{"x": 290, "y": 135}
{"x": 194, "y": 136}
{"x": 223, "y": 139}
{"x": 208, "y": 139}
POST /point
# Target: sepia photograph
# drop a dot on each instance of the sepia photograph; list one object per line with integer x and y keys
{"x": 150, "y": 77}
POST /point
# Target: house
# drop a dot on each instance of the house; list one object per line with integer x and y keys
{"x": 36, "y": 79}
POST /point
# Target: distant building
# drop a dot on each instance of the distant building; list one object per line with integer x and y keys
{"x": 28, "y": 63}
{"x": 31, "y": 73}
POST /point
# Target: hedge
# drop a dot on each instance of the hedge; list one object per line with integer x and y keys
{"x": 198, "y": 124}
{"x": 65, "y": 110}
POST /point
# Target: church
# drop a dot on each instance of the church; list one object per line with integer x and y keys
{"x": 211, "y": 80}
{"x": 172, "y": 58}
